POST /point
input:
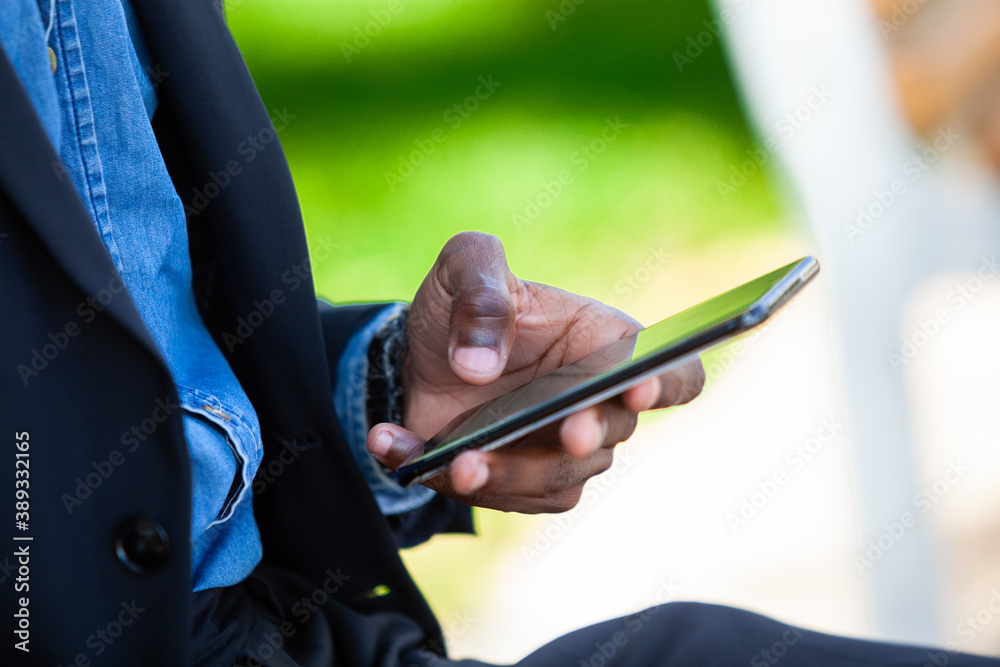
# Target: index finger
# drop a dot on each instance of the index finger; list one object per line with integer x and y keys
{"x": 675, "y": 387}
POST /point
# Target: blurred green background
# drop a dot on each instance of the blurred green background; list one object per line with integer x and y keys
{"x": 365, "y": 105}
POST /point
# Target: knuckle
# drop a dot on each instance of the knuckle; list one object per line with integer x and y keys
{"x": 487, "y": 302}
{"x": 603, "y": 461}
{"x": 561, "y": 476}
{"x": 628, "y": 424}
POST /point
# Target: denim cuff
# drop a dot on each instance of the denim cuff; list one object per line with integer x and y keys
{"x": 350, "y": 399}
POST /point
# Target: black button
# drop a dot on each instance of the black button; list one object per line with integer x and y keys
{"x": 141, "y": 544}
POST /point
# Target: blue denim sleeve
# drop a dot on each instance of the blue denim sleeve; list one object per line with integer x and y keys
{"x": 350, "y": 400}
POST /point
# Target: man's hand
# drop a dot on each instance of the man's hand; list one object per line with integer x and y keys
{"x": 475, "y": 332}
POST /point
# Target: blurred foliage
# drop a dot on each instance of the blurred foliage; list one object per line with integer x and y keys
{"x": 656, "y": 184}
{"x": 359, "y": 111}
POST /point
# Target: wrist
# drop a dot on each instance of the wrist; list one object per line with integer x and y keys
{"x": 386, "y": 359}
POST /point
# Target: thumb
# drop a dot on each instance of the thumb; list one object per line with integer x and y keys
{"x": 483, "y": 316}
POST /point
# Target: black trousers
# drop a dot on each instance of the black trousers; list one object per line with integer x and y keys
{"x": 257, "y": 623}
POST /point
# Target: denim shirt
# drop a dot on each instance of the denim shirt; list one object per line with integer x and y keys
{"x": 96, "y": 110}
{"x": 100, "y": 128}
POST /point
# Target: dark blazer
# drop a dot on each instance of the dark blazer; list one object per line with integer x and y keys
{"x": 86, "y": 398}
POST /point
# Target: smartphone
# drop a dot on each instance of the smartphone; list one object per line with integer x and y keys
{"x": 610, "y": 370}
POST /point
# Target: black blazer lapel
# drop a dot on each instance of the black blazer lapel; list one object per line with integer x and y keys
{"x": 258, "y": 243}
{"x": 31, "y": 177}
{"x": 249, "y": 209}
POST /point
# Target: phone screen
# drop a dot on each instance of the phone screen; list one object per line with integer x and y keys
{"x": 610, "y": 370}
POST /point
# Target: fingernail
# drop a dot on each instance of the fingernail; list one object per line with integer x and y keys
{"x": 382, "y": 444}
{"x": 477, "y": 359}
{"x": 602, "y": 433}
